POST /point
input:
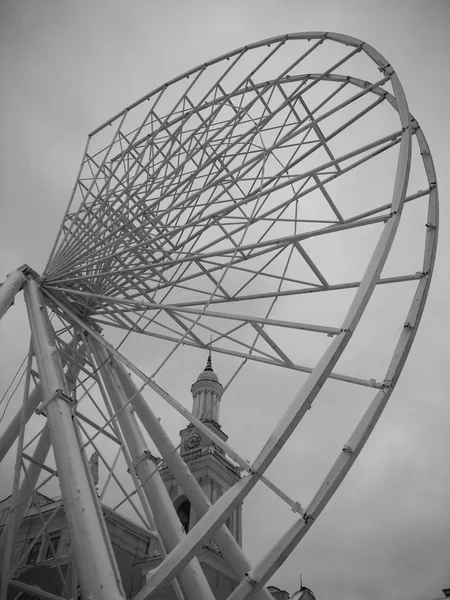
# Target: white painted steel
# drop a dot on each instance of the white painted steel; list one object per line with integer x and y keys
{"x": 8, "y": 535}
{"x": 29, "y": 483}
{"x": 229, "y": 547}
{"x": 205, "y": 528}
{"x": 192, "y": 579}
{"x": 11, "y": 432}
{"x": 33, "y": 591}
{"x": 26, "y": 490}
{"x": 92, "y": 556}
{"x": 9, "y": 288}
{"x": 162, "y": 215}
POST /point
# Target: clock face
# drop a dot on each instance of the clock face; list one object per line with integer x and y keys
{"x": 192, "y": 442}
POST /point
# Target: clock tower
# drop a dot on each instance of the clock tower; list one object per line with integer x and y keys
{"x": 214, "y": 471}
{"x": 206, "y": 395}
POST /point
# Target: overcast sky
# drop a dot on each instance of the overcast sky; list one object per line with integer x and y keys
{"x": 66, "y": 67}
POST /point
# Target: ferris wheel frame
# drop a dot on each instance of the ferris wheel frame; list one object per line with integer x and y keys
{"x": 99, "y": 574}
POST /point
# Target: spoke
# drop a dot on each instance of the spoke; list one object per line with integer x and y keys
{"x": 314, "y": 82}
{"x": 284, "y": 241}
{"x": 201, "y": 218}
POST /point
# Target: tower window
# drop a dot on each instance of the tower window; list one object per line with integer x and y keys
{"x": 184, "y": 514}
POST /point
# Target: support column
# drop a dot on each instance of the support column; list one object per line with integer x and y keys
{"x": 39, "y": 455}
{"x": 229, "y": 547}
{"x": 9, "y": 288}
{"x": 26, "y": 489}
{"x": 89, "y": 547}
{"x": 192, "y": 579}
{"x": 11, "y": 432}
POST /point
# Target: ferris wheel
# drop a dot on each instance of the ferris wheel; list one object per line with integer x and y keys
{"x": 277, "y": 206}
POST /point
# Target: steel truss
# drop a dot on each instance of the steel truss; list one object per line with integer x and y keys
{"x": 199, "y": 214}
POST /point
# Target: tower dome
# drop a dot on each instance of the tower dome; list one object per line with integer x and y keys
{"x": 206, "y": 394}
{"x": 208, "y": 373}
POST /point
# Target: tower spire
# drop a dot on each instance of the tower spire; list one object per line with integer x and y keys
{"x": 209, "y": 361}
{"x": 206, "y": 393}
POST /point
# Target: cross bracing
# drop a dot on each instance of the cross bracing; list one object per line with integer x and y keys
{"x": 249, "y": 206}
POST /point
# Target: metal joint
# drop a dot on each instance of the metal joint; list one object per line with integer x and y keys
{"x": 251, "y": 581}
{"x": 308, "y": 518}
{"x": 29, "y": 272}
{"x": 59, "y": 393}
{"x": 387, "y": 69}
{"x": 297, "y": 507}
{"x": 144, "y": 456}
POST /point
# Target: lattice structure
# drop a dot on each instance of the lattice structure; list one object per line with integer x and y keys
{"x": 249, "y": 206}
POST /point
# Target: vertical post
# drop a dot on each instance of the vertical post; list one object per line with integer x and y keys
{"x": 11, "y": 432}
{"x": 39, "y": 455}
{"x": 26, "y": 489}
{"x": 192, "y": 579}
{"x": 9, "y": 288}
{"x": 89, "y": 547}
{"x": 229, "y": 547}
{"x": 9, "y": 537}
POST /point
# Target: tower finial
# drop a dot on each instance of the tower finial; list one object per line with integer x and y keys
{"x": 209, "y": 361}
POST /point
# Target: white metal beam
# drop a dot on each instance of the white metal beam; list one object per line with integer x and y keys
{"x": 192, "y": 579}
{"x": 96, "y": 571}
{"x": 9, "y": 288}
{"x": 229, "y": 547}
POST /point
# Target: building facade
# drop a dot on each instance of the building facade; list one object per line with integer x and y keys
{"x": 44, "y": 560}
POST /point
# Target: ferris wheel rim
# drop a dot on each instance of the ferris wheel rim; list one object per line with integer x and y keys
{"x": 371, "y": 278}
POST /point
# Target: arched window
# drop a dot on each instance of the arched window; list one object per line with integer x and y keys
{"x": 184, "y": 512}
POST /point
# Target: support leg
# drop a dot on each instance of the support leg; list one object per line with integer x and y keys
{"x": 39, "y": 455}
{"x": 9, "y": 288}
{"x": 192, "y": 579}
{"x": 90, "y": 550}
{"x": 26, "y": 489}
{"x": 9, "y": 537}
{"x": 11, "y": 432}
{"x": 231, "y": 550}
